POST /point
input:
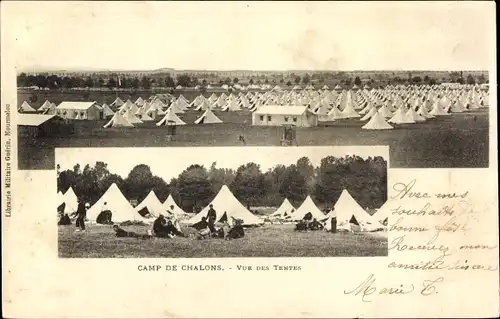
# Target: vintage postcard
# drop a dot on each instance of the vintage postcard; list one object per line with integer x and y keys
{"x": 291, "y": 159}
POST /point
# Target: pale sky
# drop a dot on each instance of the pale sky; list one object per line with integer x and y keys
{"x": 169, "y": 162}
{"x": 251, "y": 35}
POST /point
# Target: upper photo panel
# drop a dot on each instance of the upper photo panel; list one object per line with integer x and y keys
{"x": 177, "y": 77}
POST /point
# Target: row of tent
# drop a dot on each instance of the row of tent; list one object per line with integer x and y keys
{"x": 227, "y": 208}
{"x": 121, "y": 208}
{"x": 377, "y": 107}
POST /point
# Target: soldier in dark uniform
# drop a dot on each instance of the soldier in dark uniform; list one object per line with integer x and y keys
{"x": 212, "y": 216}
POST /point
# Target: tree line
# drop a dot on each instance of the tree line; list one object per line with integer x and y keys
{"x": 112, "y": 81}
{"x": 196, "y": 186}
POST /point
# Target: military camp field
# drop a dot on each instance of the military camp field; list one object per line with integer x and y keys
{"x": 458, "y": 140}
{"x": 266, "y": 241}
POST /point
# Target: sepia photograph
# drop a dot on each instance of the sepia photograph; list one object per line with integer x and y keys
{"x": 265, "y": 202}
{"x": 293, "y": 88}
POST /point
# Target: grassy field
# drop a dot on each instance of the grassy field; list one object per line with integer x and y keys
{"x": 266, "y": 241}
{"x": 459, "y": 140}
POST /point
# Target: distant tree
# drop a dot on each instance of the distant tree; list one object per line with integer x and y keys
{"x": 111, "y": 83}
{"x": 432, "y": 81}
{"x": 219, "y": 177}
{"x": 297, "y": 79}
{"x": 357, "y": 81}
{"x": 266, "y": 81}
{"x": 145, "y": 83}
{"x": 426, "y": 79}
{"x": 481, "y": 79}
{"x": 139, "y": 182}
{"x": 470, "y": 79}
{"x": 306, "y": 79}
{"x": 204, "y": 82}
{"x": 235, "y": 80}
{"x": 184, "y": 80}
{"x": 251, "y": 81}
{"x": 169, "y": 82}
{"x": 248, "y": 185}
{"x": 227, "y": 80}
{"x": 306, "y": 169}
{"x": 221, "y": 82}
{"x": 100, "y": 82}
{"x": 282, "y": 81}
{"x": 89, "y": 83}
{"x": 293, "y": 185}
{"x": 289, "y": 83}
{"x": 21, "y": 80}
{"x": 134, "y": 83}
{"x": 193, "y": 187}
{"x": 416, "y": 80}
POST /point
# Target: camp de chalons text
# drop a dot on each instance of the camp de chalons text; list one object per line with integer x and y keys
{"x": 146, "y": 267}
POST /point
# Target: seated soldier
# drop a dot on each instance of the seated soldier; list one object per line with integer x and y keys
{"x": 201, "y": 224}
{"x": 65, "y": 220}
{"x": 159, "y": 227}
{"x": 236, "y": 232}
{"x": 315, "y": 225}
{"x": 301, "y": 226}
{"x": 172, "y": 231}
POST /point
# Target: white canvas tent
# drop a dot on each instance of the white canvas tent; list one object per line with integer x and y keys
{"x": 130, "y": 117}
{"x": 25, "y": 107}
{"x": 117, "y": 204}
{"x": 285, "y": 209}
{"x": 226, "y": 203}
{"x": 308, "y": 206}
{"x": 170, "y": 116}
{"x": 118, "y": 121}
{"x": 176, "y": 210}
{"x": 106, "y": 111}
{"x": 377, "y": 122}
{"x": 346, "y": 208}
{"x": 153, "y": 205}
{"x": 208, "y": 117}
{"x": 71, "y": 201}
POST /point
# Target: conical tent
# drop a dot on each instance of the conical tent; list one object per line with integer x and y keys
{"x": 25, "y": 107}
{"x": 383, "y": 212}
{"x": 335, "y": 113}
{"x": 45, "y": 106}
{"x": 385, "y": 112}
{"x": 370, "y": 113}
{"x": 377, "y": 122}
{"x": 208, "y": 117}
{"x": 70, "y": 200}
{"x": 118, "y": 205}
{"x": 118, "y": 121}
{"x": 171, "y": 206}
{"x": 139, "y": 101}
{"x": 226, "y": 204}
{"x": 131, "y": 118}
{"x": 349, "y": 111}
{"x": 285, "y": 209}
{"x": 175, "y": 107}
{"x": 308, "y": 206}
{"x": 346, "y": 207}
{"x": 400, "y": 117}
{"x": 152, "y": 203}
{"x": 145, "y": 117}
{"x": 412, "y": 115}
{"x": 106, "y": 111}
{"x": 170, "y": 117}
{"x": 117, "y": 102}
{"x": 437, "y": 110}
